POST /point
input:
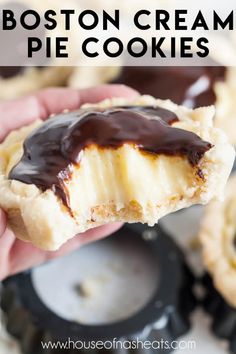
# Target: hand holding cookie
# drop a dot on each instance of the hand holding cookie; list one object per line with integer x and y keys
{"x": 15, "y": 255}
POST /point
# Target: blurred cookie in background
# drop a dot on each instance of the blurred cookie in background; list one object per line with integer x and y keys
{"x": 86, "y": 76}
{"x": 24, "y": 80}
{"x": 191, "y": 86}
{"x": 225, "y": 104}
{"x": 218, "y": 239}
{"x": 185, "y": 85}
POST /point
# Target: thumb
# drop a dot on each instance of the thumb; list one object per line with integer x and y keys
{"x": 3, "y": 222}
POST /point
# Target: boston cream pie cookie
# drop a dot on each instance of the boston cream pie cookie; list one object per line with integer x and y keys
{"x": 114, "y": 161}
{"x": 217, "y": 236}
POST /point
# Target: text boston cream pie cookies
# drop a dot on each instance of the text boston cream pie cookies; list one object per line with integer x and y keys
{"x": 114, "y": 161}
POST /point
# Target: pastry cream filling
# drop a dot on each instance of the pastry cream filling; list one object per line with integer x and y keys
{"x": 125, "y": 176}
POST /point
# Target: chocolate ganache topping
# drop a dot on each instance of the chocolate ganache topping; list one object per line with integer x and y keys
{"x": 52, "y": 149}
{"x": 189, "y": 86}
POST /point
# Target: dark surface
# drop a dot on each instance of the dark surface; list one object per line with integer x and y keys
{"x": 223, "y": 315}
{"x": 51, "y": 149}
{"x": 189, "y": 86}
{"x": 30, "y": 321}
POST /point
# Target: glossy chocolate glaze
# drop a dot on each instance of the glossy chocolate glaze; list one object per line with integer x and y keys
{"x": 52, "y": 149}
{"x": 189, "y": 86}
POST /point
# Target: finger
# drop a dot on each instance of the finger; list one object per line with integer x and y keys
{"x": 99, "y": 93}
{"x": 89, "y": 236}
{"x": 23, "y": 256}
{"x": 14, "y": 114}
{"x": 6, "y": 243}
{"x": 3, "y": 222}
{"x": 51, "y": 101}
{"x": 17, "y": 262}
